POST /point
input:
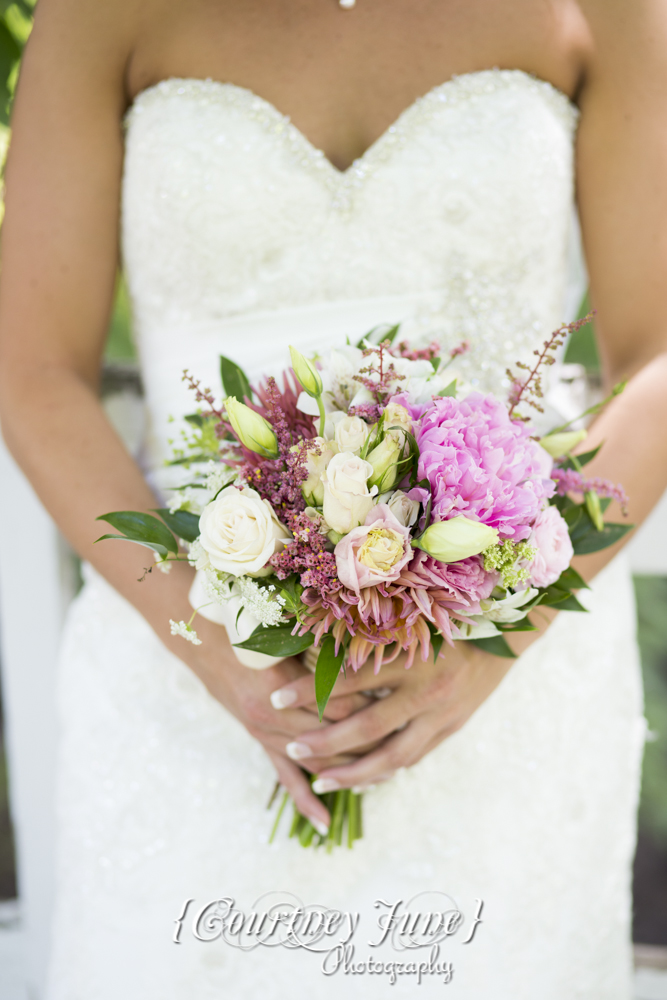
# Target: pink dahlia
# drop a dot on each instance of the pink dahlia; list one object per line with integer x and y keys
{"x": 480, "y": 463}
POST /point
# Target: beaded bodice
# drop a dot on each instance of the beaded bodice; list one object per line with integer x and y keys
{"x": 239, "y": 236}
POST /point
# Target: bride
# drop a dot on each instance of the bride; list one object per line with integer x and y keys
{"x": 513, "y": 786}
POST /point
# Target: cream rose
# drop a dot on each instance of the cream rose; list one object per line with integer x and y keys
{"x": 312, "y": 487}
{"x": 350, "y": 433}
{"x": 347, "y": 499}
{"x": 396, "y": 415}
{"x": 241, "y": 532}
{"x": 405, "y": 510}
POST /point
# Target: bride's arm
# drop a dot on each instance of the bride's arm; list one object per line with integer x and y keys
{"x": 59, "y": 259}
{"x": 622, "y": 193}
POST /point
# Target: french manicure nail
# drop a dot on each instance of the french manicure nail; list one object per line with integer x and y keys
{"x": 360, "y": 789}
{"x": 323, "y": 785}
{"x": 321, "y": 827}
{"x": 297, "y": 751}
{"x": 283, "y": 698}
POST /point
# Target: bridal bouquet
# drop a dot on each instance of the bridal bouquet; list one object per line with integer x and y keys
{"x": 369, "y": 505}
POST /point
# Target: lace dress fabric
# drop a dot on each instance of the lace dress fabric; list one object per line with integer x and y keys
{"x": 239, "y": 238}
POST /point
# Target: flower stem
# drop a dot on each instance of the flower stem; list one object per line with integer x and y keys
{"x": 323, "y": 416}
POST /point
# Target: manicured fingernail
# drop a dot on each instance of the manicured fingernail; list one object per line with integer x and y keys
{"x": 283, "y": 698}
{"x": 360, "y": 789}
{"x": 323, "y": 785}
{"x": 297, "y": 751}
{"x": 321, "y": 827}
{"x": 382, "y": 692}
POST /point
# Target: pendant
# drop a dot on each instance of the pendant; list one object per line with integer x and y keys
{"x": 347, "y": 4}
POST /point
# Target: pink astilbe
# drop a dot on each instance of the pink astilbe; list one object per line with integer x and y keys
{"x": 308, "y": 556}
{"x": 571, "y": 481}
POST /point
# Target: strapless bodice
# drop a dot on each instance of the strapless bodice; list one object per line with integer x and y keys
{"x": 240, "y": 237}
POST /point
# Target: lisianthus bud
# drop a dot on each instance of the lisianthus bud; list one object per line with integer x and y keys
{"x": 307, "y": 373}
{"x": 384, "y": 459}
{"x": 459, "y": 538}
{"x": 562, "y": 444}
{"x": 252, "y": 430}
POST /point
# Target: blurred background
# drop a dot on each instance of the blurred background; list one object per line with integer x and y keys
{"x": 122, "y": 391}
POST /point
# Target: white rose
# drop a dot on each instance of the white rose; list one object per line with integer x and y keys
{"x": 405, "y": 510}
{"x": 312, "y": 488}
{"x": 349, "y": 433}
{"x": 241, "y": 532}
{"x": 347, "y": 499}
{"x": 396, "y": 415}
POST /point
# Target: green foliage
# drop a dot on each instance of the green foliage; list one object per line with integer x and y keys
{"x": 277, "y": 640}
{"x": 328, "y": 668}
{"x": 582, "y": 346}
{"x": 234, "y": 380}
{"x": 497, "y": 645}
{"x": 15, "y": 25}
{"x": 183, "y": 524}
{"x": 144, "y": 529}
{"x": 120, "y": 343}
{"x": 651, "y": 592}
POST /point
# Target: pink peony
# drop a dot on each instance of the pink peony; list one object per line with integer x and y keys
{"x": 554, "y": 548}
{"x": 375, "y": 553}
{"x": 480, "y": 463}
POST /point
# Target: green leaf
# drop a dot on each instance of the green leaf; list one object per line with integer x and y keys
{"x": 141, "y": 528}
{"x": 326, "y": 672}
{"x": 195, "y": 419}
{"x": 554, "y": 595}
{"x": 373, "y": 335}
{"x": 584, "y": 459}
{"x": 184, "y": 524}
{"x": 190, "y": 459}
{"x": 570, "y": 580}
{"x": 523, "y": 625}
{"x": 277, "y": 640}
{"x": 496, "y": 645}
{"x": 234, "y": 379}
{"x": 571, "y": 604}
{"x": 449, "y": 390}
{"x": 595, "y": 541}
{"x": 436, "y": 640}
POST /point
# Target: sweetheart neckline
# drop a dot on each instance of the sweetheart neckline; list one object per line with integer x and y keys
{"x": 359, "y": 166}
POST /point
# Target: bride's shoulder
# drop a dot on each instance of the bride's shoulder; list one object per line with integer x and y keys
{"x": 626, "y": 36}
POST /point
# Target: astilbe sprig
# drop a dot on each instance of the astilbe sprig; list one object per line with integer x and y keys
{"x": 572, "y": 481}
{"x": 528, "y": 389}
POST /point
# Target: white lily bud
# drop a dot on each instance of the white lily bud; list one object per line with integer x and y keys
{"x": 562, "y": 444}
{"x": 307, "y": 374}
{"x": 251, "y": 428}
{"x": 459, "y": 538}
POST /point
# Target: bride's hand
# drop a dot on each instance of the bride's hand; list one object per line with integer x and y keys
{"x": 426, "y": 704}
{"x": 246, "y": 694}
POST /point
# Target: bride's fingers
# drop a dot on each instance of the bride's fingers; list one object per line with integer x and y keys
{"x": 296, "y": 783}
{"x": 274, "y": 741}
{"x": 365, "y": 727}
{"x": 340, "y": 708}
{"x": 301, "y": 692}
{"x": 399, "y": 750}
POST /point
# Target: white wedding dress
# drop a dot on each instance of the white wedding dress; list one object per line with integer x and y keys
{"x": 241, "y": 238}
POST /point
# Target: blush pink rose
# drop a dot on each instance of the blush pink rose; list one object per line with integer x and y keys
{"x": 374, "y": 553}
{"x": 554, "y": 549}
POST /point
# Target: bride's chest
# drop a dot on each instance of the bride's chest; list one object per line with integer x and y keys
{"x": 216, "y": 178}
